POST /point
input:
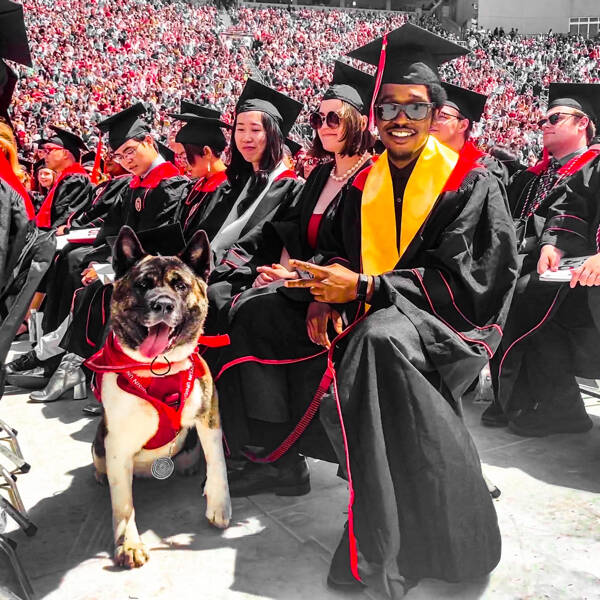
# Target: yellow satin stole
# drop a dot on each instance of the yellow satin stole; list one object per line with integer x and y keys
{"x": 379, "y": 250}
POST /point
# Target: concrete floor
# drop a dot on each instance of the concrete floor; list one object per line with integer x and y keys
{"x": 279, "y": 548}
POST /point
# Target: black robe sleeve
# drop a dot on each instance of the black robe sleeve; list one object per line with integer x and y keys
{"x": 12, "y": 218}
{"x": 102, "y": 198}
{"x": 72, "y": 194}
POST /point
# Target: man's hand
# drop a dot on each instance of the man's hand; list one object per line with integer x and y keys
{"x": 61, "y": 230}
{"x": 549, "y": 259}
{"x": 88, "y": 276}
{"x": 317, "y": 319}
{"x": 334, "y": 284}
{"x": 273, "y": 273}
{"x": 588, "y": 273}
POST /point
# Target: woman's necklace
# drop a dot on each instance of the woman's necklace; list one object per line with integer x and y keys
{"x": 351, "y": 170}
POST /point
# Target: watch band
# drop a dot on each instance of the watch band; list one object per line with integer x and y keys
{"x": 362, "y": 286}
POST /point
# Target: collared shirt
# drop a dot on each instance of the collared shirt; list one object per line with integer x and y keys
{"x": 159, "y": 160}
{"x": 400, "y": 179}
{"x": 565, "y": 159}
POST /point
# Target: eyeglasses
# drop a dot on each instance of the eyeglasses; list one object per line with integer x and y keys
{"x": 127, "y": 153}
{"x": 415, "y": 111}
{"x": 332, "y": 119}
{"x": 554, "y": 118}
{"x": 47, "y": 149}
{"x": 443, "y": 116}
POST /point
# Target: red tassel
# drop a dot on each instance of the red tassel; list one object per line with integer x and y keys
{"x": 378, "y": 78}
{"x": 96, "y": 170}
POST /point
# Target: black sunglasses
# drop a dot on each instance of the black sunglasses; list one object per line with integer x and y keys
{"x": 554, "y": 118}
{"x": 415, "y": 111}
{"x": 317, "y": 119}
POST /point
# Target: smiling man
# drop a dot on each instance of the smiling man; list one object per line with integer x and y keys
{"x": 431, "y": 248}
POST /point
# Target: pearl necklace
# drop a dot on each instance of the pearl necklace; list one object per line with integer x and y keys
{"x": 351, "y": 170}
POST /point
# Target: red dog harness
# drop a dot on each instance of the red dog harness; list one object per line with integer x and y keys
{"x": 166, "y": 393}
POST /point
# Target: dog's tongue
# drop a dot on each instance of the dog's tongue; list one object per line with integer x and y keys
{"x": 156, "y": 341}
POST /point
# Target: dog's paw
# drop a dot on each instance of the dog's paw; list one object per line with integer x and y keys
{"x": 218, "y": 506}
{"x": 130, "y": 555}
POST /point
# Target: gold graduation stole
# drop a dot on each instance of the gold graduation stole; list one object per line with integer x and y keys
{"x": 379, "y": 250}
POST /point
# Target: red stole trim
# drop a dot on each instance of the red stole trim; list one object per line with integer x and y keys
{"x": 287, "y": 174}
{"x": 165, "y": 170}
{"x": 468, "y": 159}
{"x": 213, "y": 182}
{"x": 44, "y": 216}
{"x": 166, "y": 393}
{"x": 583, "y": 159}
{"x": 8, "y": 175}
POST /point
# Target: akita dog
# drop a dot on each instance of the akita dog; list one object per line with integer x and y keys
{"x": 153, "y": 384}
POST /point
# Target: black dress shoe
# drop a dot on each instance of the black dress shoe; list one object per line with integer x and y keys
{"x": 281, "y": 479}
{"x": 494, "y": 416}
{"x": 24, "y": 362}
{"x": 540, "y": 422}
{"x": 29, "y": 372}
{"x": 340, "y": 575}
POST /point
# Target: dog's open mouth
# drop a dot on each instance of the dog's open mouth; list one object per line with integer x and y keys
{"x": 159, "y": 338}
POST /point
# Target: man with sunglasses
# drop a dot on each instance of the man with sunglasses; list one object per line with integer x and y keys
{"x": 431, "y": 249}
{"x": 454, "y": 122}
{"x": 72, "y": 186}
{"x": 568, "y": 128}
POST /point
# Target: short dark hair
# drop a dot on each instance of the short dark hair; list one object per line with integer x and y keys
{"x": 239, "y": 170}
{"x": 142, "y": 138}
{"x": 357, "y": 141}
{"x": 590, "y": 131}
{"x": 194, "y": 150}
{"x": 437, "y": 94}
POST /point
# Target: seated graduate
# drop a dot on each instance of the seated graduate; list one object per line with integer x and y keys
{"x": 454, "y": 123}
{"x": 203, "y": 142}
{"x": 308, "y": 230}
{"x": 149, "y": 201}
{"x": 260, "y": 184}
{"x": 431, "y": 248}
{"x": 529, "y": 399}
{"x": 72, "y": 186}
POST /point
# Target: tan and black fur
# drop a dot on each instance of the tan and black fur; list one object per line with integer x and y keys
{"x": 152, "y": 291}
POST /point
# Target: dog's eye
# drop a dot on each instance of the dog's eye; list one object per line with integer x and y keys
{"x": 144, "y": 284}
{"x": 180, "y": 286}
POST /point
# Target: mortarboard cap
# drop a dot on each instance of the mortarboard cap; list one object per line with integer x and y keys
{"x": 282, "y": 108}
{"x": 202, "y": 129}
{"x": 352, "y": 86}
{"x": 66, "y": 139}
{"x": 412, "y": 55}
{"x": 581, "y": 96}
{"x": 468, "y": 103}
{"x": 165, "y": 151}
{"x": 191, "y": 108}
{"x": 294, "y": 147}
{"x": 125, "y": 125}
{"x": 13, "y": 36}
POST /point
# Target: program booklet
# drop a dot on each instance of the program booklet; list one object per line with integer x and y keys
{"x": 564, "y": 269}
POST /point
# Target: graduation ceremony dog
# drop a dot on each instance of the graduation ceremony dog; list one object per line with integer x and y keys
{"x": 154, "y": 386}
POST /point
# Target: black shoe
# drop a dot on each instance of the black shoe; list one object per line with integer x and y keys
{"x": 340, "y": 575}
{"x": 494, "y": 416}
{"x": 539, "y": 422}
{"x": 21, "y": 374}
{"x": 282, "y": 480}
{"x": 25, "y": 362}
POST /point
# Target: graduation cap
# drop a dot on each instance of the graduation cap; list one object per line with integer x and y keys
{"x": 27, "y": 164}
{"x": 125, "y": 125}
{"x": 294, "y": 147}
{"x": 13, "y": 37}
{"x": 411, "y": 55}
{"x": 165, "y": 151}
{"x": 8, "y": 81}
{"x": 468, "y": 103}
{"x": 352, "y": 86}
{"x": 65, "y": 139}
{"x": 581, "y": 96}
{"x": 202, "y": 128}
{"x": 282, "y": 108}
{"x": 191, "y": 108}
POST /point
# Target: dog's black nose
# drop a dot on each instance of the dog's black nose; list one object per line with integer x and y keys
{"x": 162, "y": 304}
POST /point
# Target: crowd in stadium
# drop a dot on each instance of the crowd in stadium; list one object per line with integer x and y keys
{"x": 159, "y": 52}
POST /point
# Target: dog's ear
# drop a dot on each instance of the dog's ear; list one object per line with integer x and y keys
{"x": 197, "y": 255}
{"x": 127, "y": 251}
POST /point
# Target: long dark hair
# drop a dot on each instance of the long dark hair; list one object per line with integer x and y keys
{"x": 239, "y": 170}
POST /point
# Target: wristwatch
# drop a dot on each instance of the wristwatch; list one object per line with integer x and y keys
{"x": 362, "y": 286}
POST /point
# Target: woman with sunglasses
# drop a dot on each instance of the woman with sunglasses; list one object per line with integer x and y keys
{"x": 277, "y": 324}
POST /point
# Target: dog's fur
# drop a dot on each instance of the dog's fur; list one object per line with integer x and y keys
{"x": 129, "y": 421}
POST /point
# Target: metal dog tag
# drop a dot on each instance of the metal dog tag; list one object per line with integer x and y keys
{"x": 162, "y": 468}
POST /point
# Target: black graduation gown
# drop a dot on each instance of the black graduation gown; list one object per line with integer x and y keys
{"x": 13, "y": 218}
{"x": 496, "y": 168}
{"x": 149, "y": 205}
{"x": 71, "y": 194}
{"x": 422, "y": 508}
{"x": 269, "y": 323}
{"x": 64, "y": 277}
{"x": 550, "y": 336}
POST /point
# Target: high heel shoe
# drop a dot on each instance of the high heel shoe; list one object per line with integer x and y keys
{"x": 67, "y": 376}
